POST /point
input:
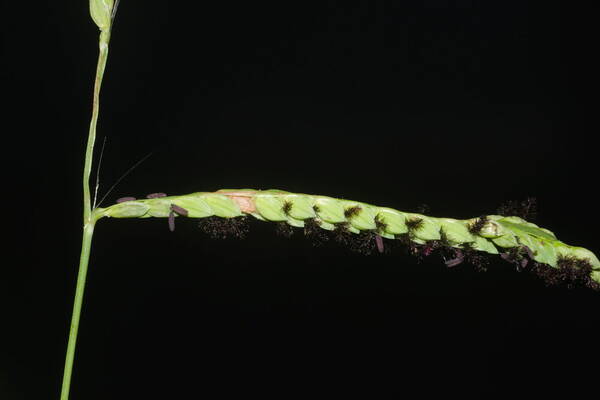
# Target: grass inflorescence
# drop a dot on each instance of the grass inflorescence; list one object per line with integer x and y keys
{"x": 351, "y": 232}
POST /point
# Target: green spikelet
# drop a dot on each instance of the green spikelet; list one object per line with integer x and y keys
{"x": 101, "y": 12}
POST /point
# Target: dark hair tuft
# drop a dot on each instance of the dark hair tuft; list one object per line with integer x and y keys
{"x": 222, "y": 228}
{"x": 352, "y": 211}
{"x": 283, "y": 229}
{"x": 287, "y": 207}
{"x": 414, "y": 224}
{"x": 476, "y": 226}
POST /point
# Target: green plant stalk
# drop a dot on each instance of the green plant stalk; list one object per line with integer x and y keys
{"x": 101, "y": 13}
{"x": 89, "y": 152}
{"x": 88, "y": 232}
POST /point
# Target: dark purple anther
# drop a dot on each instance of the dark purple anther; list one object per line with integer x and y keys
{"x": 124, "y": 199}
{"x": 427, "y": 250}
{"x": 529, "y": 252}
{"x": 155, "y": 195}
{"x": 179, "y": 210}
{"x": 524, "y": 263}
{"x": 379, "y": 242}
{"x": 171, "y": 221}
{"x": 455, "y": 261}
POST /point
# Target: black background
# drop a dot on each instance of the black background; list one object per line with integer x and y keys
{"x": 459, "y": 105}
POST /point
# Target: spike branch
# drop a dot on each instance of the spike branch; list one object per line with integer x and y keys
{"x": 514, "y": 238}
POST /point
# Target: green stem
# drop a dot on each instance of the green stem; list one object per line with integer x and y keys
{"x": 89, "y": 218}
{"x": 89, "y": 152}
{"x": 88, "y": 232}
